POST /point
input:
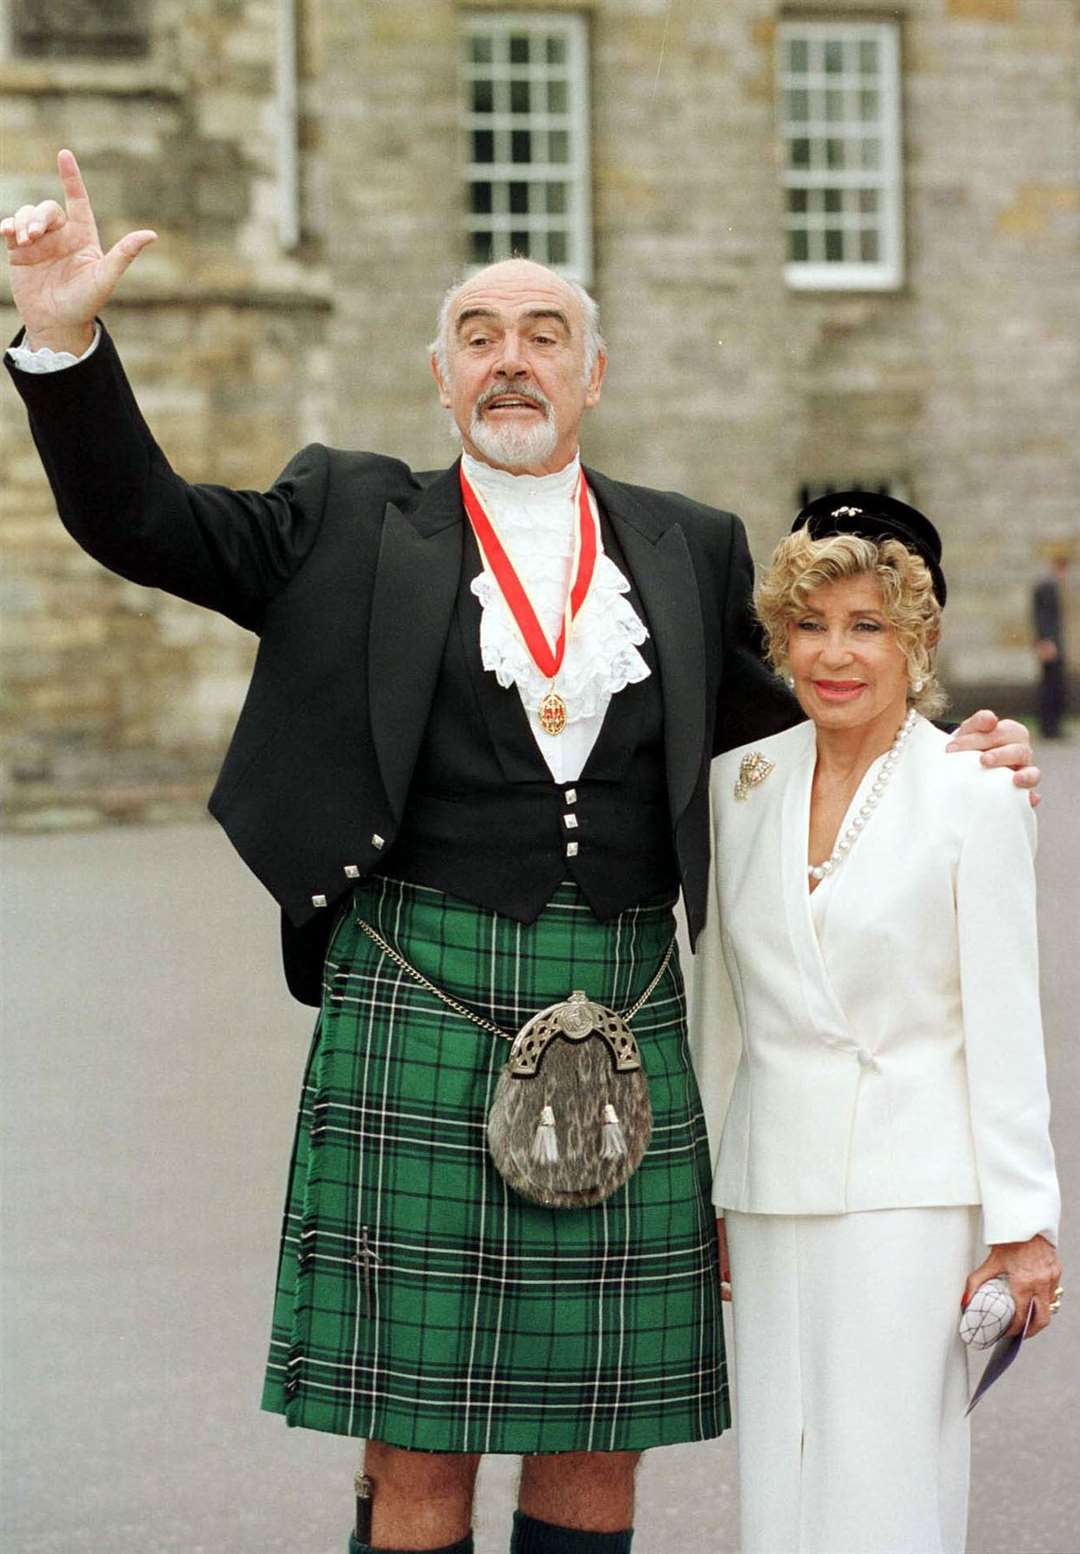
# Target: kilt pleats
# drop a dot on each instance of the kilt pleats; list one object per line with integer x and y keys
{"x": 420, "y": 1301}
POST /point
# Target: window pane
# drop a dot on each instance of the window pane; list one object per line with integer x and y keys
{"x": 557, "y": 248}
{"x": 834, "y": 153}
{"x": 834, "y": 56}
{"x": 480, "y": 249}
{"x": 798, "y": 106}
{"x": 519, "y": 242}
{"x": 79, "y": 29}
{"x": 483, "y": 97}
{"x": 834, "y": 106}
{"x": 798, "y": 246}
{"x": 798, "y": 57}
{"x": 871, "y": 153}
{"x": 868, "y": 56}
{"x": 520, "y": 99}
{"x": 519, "y": 198}
{"x": 519, "y": 50}
{"x": 557, "y": 97}
{"x": 869, "y": 249}
{"x": 521, "y": 146}
{"x": 833, "y": 200}
{"x": 834, "y": 245}
{"x": 555, "y": 199}
{"x": 556, "y": 51}
{"x": 483, "y": 144}
{"x": 869, "y": 105}
{"x": 799, "y": 153}
{"x": 480, "y": 48}
{"x": 558, "y": 146}
{"x": 480, "y": 198}
{"x": 868, "y": 201}
{"x": 796, "y": 199}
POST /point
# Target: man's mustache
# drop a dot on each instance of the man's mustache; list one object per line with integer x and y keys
{"x": 519, "y": 391}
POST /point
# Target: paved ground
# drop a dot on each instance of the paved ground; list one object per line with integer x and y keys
{"x": 152, "y": 1062}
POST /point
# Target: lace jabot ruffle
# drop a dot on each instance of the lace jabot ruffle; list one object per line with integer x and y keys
{"x": 534, "y": 516}
{"x": 602, "y": 658}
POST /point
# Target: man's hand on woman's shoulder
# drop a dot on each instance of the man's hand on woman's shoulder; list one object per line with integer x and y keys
{"x": 1004, "y": 742}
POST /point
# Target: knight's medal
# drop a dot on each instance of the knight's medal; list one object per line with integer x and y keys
{"x": 552, "y": 713}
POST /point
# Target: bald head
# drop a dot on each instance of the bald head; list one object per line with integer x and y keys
{"x": 517, "y": 276}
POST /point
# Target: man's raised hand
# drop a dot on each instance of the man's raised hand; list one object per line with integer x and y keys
{"x": 60, "y": 278}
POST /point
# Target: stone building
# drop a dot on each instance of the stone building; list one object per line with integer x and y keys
{"x": 832, "y": 242}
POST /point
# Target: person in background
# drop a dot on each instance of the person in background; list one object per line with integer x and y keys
{"x": 1048, "y": 618}
{"x": 886, "y": 1147}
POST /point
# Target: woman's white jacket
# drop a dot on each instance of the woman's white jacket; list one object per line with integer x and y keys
{"x": 897, "y": 1060}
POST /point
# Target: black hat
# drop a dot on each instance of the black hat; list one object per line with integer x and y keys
{"x": 875, "y": 517}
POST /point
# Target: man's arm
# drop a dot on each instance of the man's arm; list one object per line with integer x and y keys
{"x": 752, "y": 702}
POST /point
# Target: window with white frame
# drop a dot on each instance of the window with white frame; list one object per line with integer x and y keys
{"x": 525, "y": 78}
{"x": 839, "y": 101}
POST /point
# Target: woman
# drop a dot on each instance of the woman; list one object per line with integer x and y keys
{"x": 874, "y": 903}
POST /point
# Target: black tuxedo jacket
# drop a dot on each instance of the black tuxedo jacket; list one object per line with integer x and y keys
{"x": 347, "y": 569}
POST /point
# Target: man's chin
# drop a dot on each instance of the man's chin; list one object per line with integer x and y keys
{"x": 515, "y": 447}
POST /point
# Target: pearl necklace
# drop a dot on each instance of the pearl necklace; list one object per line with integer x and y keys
{"x": 818, "y": 871}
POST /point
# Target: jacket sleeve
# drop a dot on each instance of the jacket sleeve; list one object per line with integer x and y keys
{"x": 999, "y": 980}
{"x": 120, "y": 499}
{"x": 752, "y": 701}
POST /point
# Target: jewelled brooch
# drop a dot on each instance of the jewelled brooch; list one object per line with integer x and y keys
{"x": 753, "y": 769}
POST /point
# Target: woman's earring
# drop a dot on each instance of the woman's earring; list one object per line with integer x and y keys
{"x": 918, "y": 686}
{"x": 789, "y": 681}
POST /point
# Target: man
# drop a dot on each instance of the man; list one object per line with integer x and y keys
{"x": 1048, "y": 619}
{"x": 508, "y": 741}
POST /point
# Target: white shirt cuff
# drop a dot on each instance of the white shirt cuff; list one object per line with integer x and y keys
{"x": 45, "y": 360}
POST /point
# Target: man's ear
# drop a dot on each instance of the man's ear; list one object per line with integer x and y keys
{"x": 596, "y": 379}
{"x": 444, "y": 392}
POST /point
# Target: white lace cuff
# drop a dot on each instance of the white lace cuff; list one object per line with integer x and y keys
{"x": 46, "y": 360}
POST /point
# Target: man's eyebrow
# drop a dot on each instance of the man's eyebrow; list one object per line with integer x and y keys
{"x": 470, "y": 313}
{"x": 555, "y": 313}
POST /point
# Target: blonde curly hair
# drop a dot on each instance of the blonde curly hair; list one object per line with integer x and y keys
{"x": 801, "y": 565}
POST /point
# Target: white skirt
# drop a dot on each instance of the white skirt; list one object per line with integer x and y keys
{"x": 850, "y": 1380}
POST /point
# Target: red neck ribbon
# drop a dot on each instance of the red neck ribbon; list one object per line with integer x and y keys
{"x": 548, "y": 659}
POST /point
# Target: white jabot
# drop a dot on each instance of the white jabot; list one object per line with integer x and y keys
{"x": 535, "y": 517}
{"x": 46, "y": 360}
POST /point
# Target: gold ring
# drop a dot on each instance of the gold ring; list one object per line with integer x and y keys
{"x": 1055, "y": 1305}
{"x": 1059, "y": 1291}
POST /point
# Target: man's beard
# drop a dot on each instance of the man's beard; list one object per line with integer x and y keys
{"x": 518, "y": 447}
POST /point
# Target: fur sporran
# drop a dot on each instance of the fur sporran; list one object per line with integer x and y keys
{"x": 571, "y": 1119}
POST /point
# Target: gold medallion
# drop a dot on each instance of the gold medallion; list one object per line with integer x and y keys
{"x": 552, "y": 713}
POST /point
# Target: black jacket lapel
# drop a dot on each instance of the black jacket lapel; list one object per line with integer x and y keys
{"x": 416, "y": 584}
{"x": 659, "y": 558}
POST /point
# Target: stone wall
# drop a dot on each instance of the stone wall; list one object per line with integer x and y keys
{"x": 963, "y": 384}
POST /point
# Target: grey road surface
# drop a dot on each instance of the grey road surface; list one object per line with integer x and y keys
{"x": 151, "y": 1064}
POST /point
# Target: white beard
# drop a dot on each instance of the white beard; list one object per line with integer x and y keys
{"x": 515, "y": 446}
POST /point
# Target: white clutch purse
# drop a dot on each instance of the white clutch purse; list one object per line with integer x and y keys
{"x": 988, "y": 1314}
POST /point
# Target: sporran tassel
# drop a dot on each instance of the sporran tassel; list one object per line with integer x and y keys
{"x": 545, "y": 1144}
{"x": 614, "y": 1143}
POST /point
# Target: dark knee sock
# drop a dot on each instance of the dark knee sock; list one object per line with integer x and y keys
{"x": 464, "y": 1547}
{"x": 535, "y": 1537}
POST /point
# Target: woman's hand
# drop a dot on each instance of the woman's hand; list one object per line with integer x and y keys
{"x": 60, "y": 277}
{"x": 725, "y": 1265}
{"x": 1033, "y": 1272}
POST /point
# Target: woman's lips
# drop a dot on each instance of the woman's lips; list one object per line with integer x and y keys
{"x": 838, "y": 690}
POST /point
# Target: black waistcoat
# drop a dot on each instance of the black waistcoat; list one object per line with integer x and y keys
{"x": 484, "y": 819}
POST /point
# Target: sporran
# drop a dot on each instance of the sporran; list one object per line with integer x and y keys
{"x": 571, "y": 1118}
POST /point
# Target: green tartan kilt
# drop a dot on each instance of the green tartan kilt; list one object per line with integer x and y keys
{"x": 420, "y": 1301}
